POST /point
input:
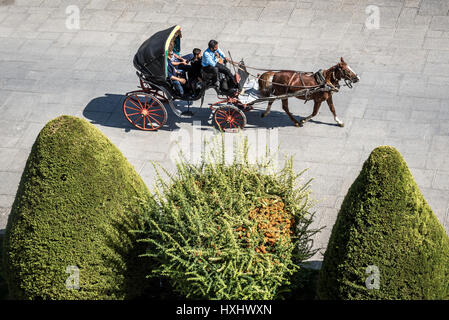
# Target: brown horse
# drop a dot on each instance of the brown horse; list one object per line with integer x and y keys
{"x": 284, "y": 82}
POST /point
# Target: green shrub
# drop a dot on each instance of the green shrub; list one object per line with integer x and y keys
{"x": 76, "y": 202}
{"x": 384, "y": 221}
{"x": 303, "y": 285}
{"x": 219, "y": 231}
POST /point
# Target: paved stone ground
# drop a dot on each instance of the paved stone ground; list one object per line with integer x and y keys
{"x": 47, "y": 70}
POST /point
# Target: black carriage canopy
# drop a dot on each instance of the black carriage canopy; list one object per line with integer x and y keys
{"x": 151, "y": 58}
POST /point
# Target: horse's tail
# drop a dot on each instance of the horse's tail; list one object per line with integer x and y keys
{"x": 265, "y": 83}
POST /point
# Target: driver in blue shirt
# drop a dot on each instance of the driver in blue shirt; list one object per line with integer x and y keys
{"x": 211, "y": 62}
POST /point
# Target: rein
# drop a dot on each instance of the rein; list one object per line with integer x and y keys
{"x": 348, "y": 82}
{"x": 261, "y": 69}
{"x": 274, "y": 70}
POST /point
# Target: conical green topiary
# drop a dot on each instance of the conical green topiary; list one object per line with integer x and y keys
{"x": 386, "y": 242}
{"x": 76, "y": 202}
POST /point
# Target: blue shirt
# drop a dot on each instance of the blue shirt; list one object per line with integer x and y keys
{"x": 210, "y": 59}
{"x": 189, "y": 57}
{"x": 171, "y": 69}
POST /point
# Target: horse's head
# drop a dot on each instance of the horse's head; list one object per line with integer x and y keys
{"x": 345, "y": 72}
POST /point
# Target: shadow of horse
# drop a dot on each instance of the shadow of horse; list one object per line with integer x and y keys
{"x": 108, "y": 111}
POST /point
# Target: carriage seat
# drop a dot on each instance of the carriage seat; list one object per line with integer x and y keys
{"x": 207, "y": 76}
{"x": 210, "y": 78}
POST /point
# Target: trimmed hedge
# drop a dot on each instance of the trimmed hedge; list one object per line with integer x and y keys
{"x": 385, "y": 221}
{"x": 76, "y": 202}
{"x": 229, "y": 231}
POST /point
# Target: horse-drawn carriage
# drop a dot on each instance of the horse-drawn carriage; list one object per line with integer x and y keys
{"x": 145, "y": 108}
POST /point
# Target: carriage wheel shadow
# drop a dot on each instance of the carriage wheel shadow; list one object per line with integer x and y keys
{"x": 107, "y": 111}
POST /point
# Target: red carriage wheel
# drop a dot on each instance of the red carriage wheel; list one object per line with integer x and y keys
{"x": 144, "y": 111}
{"x": 229, "y": 118}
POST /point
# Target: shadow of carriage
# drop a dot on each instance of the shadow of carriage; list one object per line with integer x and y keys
{"x": 107, "y": 111}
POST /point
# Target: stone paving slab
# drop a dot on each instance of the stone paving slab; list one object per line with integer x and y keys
{"x": 403, "y": 99}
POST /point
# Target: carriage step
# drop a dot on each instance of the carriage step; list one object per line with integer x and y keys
{"x": 187, "y": 114}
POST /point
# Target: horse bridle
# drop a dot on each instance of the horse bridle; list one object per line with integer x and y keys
{"x": 345, "y": 76}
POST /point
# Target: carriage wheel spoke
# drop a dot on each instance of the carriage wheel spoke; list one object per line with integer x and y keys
{"x": 132, "y": 108}
{"x": 154, "y": 120}
{"x": 135, "y": 121}
{"x": 133, "y": 114}
{"x": 152, "y": 127}
{"x": 154, "y": 101}
{"x": 155, "y": 114}
{"x": 140, "y": 102}
{"x": 133, "y": 102}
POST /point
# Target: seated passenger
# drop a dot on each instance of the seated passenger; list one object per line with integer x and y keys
{"x": 194, "y": 74}
{"x": 195, "y": 62}
{"x": 173, "y": 74}
{"x": 212, "y": 62}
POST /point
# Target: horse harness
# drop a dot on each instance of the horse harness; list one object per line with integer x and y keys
{"x": 291, "y": 79}
{"x": 318, "y": 76}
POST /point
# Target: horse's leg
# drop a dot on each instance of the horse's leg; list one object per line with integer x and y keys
{"x": 330, "y": 103}
{"x": 316, "y": 108}
{"x": 267, "y": 111}
{"x": 285, "y": 107}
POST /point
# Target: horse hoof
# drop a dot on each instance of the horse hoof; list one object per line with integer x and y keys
{"x": 341, "y": 124}
{"x": 299, "y": 124}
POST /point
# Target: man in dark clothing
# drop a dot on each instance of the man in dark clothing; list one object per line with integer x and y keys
{"x": 194, "y": 74}
{"x": 195, "y": 62}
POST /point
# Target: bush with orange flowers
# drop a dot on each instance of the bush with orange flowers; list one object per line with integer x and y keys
{"x": 218, "y": 230}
